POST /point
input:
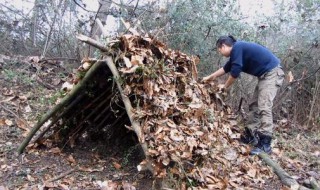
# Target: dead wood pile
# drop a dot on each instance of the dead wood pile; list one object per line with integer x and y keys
{"x": 186, "y": 130}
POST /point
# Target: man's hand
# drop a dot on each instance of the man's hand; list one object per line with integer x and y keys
{"x": 214, "y": 75}
{"x": 221, "y": 88}
{"x": 207, "y": 79}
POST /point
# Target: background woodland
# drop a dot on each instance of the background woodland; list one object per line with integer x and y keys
{"x": 49, "y": 30}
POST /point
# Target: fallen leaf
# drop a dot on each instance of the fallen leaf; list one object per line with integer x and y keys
{"x": 127, "y": 62}
{"x": 127, "y": 186}
{"x": 63, "y": 187}
{"x": 21, "y": 124}
{"x": 30, "y": 178}
{"x": 2, "y": 121}
{"x": 176, "y": 135}
{"x": 289, "y": 77}
{"x": 107, "y": 185}
{"x": 8, "y": 122}
{"x": 56, "y": 81}
{"x": 252, "y": 172}
{"x": 55, "y": 150}
{"x": 230, "y": 154}
{"x": 85, "y": 169}
{"x": 71, "y": 159}
{"x": 8, "y": 99}
{"x": 86, "y": 65}
{"x": 50, "y": 185}
{"x": 116, "y": 165}
{"x": 67, "y": 86}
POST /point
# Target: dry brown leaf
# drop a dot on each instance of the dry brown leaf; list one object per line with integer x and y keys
{"x": 86, "y": 169}
{"x": 136, "y": 60}
{"x": 127, "y": 186}
{"x": 22, "y": 124}
{"x": 67, "y": 86}
{"x": 2, "y": 122}
{"x": 230, "y": 154}
{"x": 289, "y": 77}
{"x": 171, "y": 124}
{"x": 128, "y": 71}
{"x": 30, "y": 178}
{"x": 86, "y": 65}
{"x": 8, "y": 92}
{"x": 55, "y": 150}
{"x": 8, "y": 122}
{"x": 116, "y": 165}
{"x": 127, "y": 62}
{"x": 50, "y": 185}
{"x": 63, "y": 187}
{"x": 154, "y": 152}
{"x": 28, "y": 109}
{"x": 71, "y": 159}
{"x": 175, "y": 135}
{"x": 252, "y": 172}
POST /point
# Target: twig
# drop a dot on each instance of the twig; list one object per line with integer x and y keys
{"x": 56, "y": 178}
{"x": 61, "y": 175}
{"x": 8, "y": 110}
{"x": 304, "y": 78}
{"x": 48, "y": 86}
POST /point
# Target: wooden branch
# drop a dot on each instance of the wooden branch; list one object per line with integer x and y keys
{"x": 100, "y": 25}
{"x": 48, "y": 86}
{"x": 126, "y": 101}
{"x": 314, "y": 184}
{"x": 285, "y": 178}
{"x": 92, "y": 42}
{"x": 61, "y": 175}
{"x": 59, "y": 106}
{"x": 55, "y": 178}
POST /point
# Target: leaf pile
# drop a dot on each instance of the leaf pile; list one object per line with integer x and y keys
{"x": 189, "y": 131}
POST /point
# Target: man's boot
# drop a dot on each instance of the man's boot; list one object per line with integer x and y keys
{"x": 248, "y": 137}
{"x": 264, "y": 145}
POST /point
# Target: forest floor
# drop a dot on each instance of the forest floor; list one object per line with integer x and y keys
{"x": 28, "y": 90}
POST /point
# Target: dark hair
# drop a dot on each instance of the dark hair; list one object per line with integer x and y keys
{"x": 227, "y": 40}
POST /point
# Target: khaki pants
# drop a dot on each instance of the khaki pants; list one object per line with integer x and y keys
{"x": 260, "y": 108}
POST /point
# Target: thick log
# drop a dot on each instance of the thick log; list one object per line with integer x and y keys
{"x": 314, "y": 184}
{"x": 66, "y": 100}
{"x": 285, "y": 178}
{"x": 126, "y": 101}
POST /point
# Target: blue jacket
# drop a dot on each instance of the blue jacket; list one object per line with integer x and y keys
{"x": 250, "y": 58}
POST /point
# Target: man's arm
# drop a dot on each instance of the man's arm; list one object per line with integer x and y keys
{"x": 229, "y": 82}
{"x": 214, "y": 75}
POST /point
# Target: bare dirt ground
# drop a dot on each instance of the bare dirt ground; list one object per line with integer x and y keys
{"x": 28, "y": 90}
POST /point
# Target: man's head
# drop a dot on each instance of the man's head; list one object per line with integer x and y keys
{"x": 225, "y": 44}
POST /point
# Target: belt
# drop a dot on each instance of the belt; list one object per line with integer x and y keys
{"x": 277, "y": 67}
